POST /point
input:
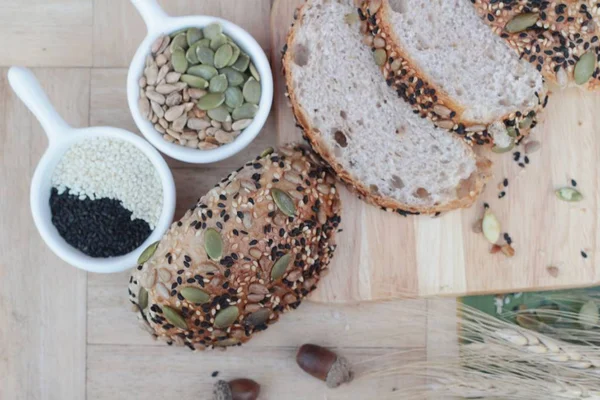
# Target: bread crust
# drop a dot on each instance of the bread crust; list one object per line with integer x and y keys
{"x": 413, "y": 85}
{"x": 256, "y": 234}
{"x": 313, "y": 137}
{"x": 538, "y": 44}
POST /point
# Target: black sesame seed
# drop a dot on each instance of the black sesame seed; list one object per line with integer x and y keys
{"x": 573, "y": 183}
{"x": 584, "y": 254}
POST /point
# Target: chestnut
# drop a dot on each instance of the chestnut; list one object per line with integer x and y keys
{"x": 237, "y": 389}
{"x": 325, "y": 365}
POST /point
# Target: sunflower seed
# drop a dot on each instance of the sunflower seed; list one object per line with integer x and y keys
{"x": 234, "y": 78}
{"x": 179, "y": 61}
{"x": 280, "y": 266}
{"x": 206, "y": 56}
{"x": 218, "y": 84}
{"x": 242, "y": 63}
{"x": 162, "y": 73}
{"x": 532, "y": 146}
{"x": 284, "y": 202}
{"x": 211, "y": 101}
{"x": 165, "y": 88}
{"x": 197, "y": 124}
{"x": 220, "y": 114}
{"x": 149, "y": 278}
{"x": 380, "y": 57}
{"x": 172, "y": 77}
{"x": 245, "y": 111}
{"x": 193, "y": 35}
{"x": 251, "y": 308}
{"x": 218, "y": 41}
{"x": 195, "y": 295}
{"x": 179, "y": 42}
{"x": 164, "y": 275}
{"x": 585, "y": 67}
{"x": 243, "y": 124}
{"x": 569, "y": 194}
{"x": 157, "y": 109}
{"x": 207, "y": 146}
{"x": 174, "y": 317}
{"x": 255, "y": 298}
{"x": 226, "y": 317}
{"x": 212, "y": 31}
{"x": 490, "y": 226}
{"x": 143, "y": 298}
{"x": 442, "y": 111}
{"x": 173, "y": 99}
{"x": 203, "y": 71}
{"x": 162, "y": 291}
{"x": 224, "y": 137}
{"x": 179, "y": 123}
{"x": 252, "y": 91}
{"x": 146, "y": 254}
{"x": 157, "y": 44}
{"x": 258, "y": 288}
{"x": 151, "y": 73}
{"x": 213, "y": 244}
{"x": 258, "y": 317}
{"x": 144, "y": 106}
{"x": 174, "y": 112}
{"x": 521, "y": 22}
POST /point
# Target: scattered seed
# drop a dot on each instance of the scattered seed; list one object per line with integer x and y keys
{"x": 490, "y": 227}
{"x": 569, "y": 194}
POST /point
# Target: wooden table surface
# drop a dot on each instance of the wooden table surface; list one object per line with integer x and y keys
{"x": 66, "y": 334}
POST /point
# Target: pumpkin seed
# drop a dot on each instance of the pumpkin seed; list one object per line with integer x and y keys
{"x": 234, "y": 78}
{"x": 585, "y": 67}
{"x": 218, "y": 42}
{"x": 212, "y": 31}
{"x": 210, "y": 101}
{"x": 203, "y": 43}
{"x": 258, "y": 317}
{"x": 179, "y": 61}
{"x": 226, "y": 317}
{"x": 193, "y": 35}
{"x": 246, "y": 111}
{"x": 281, "y": 266}
{"x": 490, "y": 227}
{"x": 218, "y": 84}
{"x": 284, "y": 202}
{"x": 143, "y": 298}
{"x": 235, "y": 55}
{"x": 191, "y": 55}
{"x": 569, "y": 194}
{"x": 242, "y": 63}
{"x": 206, "y": 56}
{"x": 194, "y": 81}
{"x": 511, "y": 131}
{"x": 203, "y": 71}
{"x": 524, "y": 124}
{"x": 220, "y": 114}
{"x": 500, "y": 150}
{"x": 223, "y": 56}
{"x": 547, "y": 313}
{"x": 213, "y": 244}
{"x": 380, "y": 56}
{"x": 252, "y": 91}
{"x": 177, "y": 32}
{"x": 521, "y": 22}
{"x": 254, "y": 72}
{"x": 266, "y": 152}
{"x": 588, "y": 316}
{"x": 174, "y": 317}
{"x": 234, "y": 97}
{"x": 179, "y": 41}
{"x": 227, "y": 342}
{"x": 195, "y": 295}
{"x": 527, "y": 320}
{"x": 146, "y": 254}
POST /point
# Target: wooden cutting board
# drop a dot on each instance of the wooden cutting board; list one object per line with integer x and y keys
{"x": 382, "y": 256}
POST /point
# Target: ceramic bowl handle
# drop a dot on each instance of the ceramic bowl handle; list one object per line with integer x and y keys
{"x": 27, "y": 87}
{"x": 153, "y": 15}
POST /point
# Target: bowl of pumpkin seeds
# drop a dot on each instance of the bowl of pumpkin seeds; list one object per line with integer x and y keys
{"x": 199, "y": 88}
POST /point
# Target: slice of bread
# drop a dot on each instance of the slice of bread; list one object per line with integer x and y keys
{"x": 553, "y": 36}
{"x": 445, "y": 61}
{"x": 375, "y": 142}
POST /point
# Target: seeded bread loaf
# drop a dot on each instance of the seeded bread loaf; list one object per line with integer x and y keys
{"x": 441, "y": 58}
{"x": 374, "y": 141}
{"x": 560, "y": 38}
{"x": 251, "y": 249}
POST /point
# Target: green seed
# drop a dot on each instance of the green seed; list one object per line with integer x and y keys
{"x": 281, "y": 266}
{"x": 191, "y": 55}
{"x": 500, "y": 150}
{"x": 284, "y": 202}
{"x": 235, "y": 55}
{"x": 227, "y": 342}
{"x": 218, "y": 84}
{"x": 143, "y": 298}
{"x": 223, "y": 56}
{"x": 206, "y": 56}
{"x": 380, "y": 57}
{"x": 211, "y": 101}
{"x": 242, "y": 63}
{"x": 511, "y": 131}
{"x": 258, "y": 317}
{"x": 174, "y": 317}
{"x": 252, "y": 91}
{"x": 569, "y": 194}
{"x": 547, "y": 313}
{"x": 193, "y": 35}
{"x": 203, "y": 71}
{"x": 177, "y": 32}
{"x": 194, "y": 81}
{"x": 213, "y": 244}
{"x": 266, "y": 152}
{"x": 585, "y": 67}
{"x": 234, "y": 97}
{"x": 146, "y": 254}
{"x": 179, "y": 61}
{"x": 213, "y": 30}
{"x": 234, "y": 78}
{"x": 204, "y": 43}
{"x": 521, "y": 22}
{"x": 246, "y": 111}
{"x": 218, "y": 42}
{"x": 525, "y": 123}
{"x": 226, "y": 317}
{"x": 179, "y": 41}
{"x": 588, "y": 316}
{"x": 195, "y": 295}
{"x": 220, "y": 114}
{"x": 254, "y": 72}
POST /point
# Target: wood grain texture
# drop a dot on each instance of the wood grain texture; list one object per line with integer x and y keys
{"x": 383, "y": 255}
{"x": 42, "y": 299}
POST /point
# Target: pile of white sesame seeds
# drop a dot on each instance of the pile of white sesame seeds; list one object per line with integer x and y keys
{"x": 114, "y": 169}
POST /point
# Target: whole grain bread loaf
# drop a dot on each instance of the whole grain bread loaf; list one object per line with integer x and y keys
{"x": 560, "y": 38}
{"x": 373, "y": 141}
{"x": 441, "y": 58}
{"x": 251, "y": 249}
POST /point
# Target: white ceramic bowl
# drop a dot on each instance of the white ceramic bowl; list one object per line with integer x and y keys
{"x": 61, "y": 136}
{"x": 159, "y": 23}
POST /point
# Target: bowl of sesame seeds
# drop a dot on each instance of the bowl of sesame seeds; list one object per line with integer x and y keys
{"x": 199, "y": 88}
{"x": 99, "y": 195}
